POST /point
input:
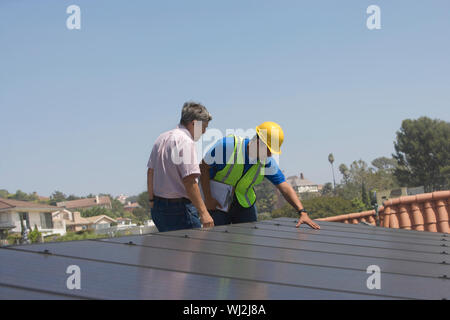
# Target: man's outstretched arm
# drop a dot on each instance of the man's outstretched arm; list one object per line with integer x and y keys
{"x": 291, "y": 196}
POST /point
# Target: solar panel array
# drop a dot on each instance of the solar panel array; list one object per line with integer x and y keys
{"x": 262, "y": 260}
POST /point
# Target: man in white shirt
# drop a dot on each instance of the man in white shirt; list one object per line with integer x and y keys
{"x": 173, "y": 172}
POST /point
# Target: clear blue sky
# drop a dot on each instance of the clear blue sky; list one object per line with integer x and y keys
{"x": 80, "y": 109}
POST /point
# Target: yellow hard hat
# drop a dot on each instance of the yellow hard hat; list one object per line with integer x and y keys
{"x": 272, "y": 135}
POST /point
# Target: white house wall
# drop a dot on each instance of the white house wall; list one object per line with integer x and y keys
{"x": 35, "y": 219}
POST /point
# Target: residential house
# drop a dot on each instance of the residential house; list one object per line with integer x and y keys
{"x": 32, "y": 214}
{"x": 122, "y": 198}
{"x": 101, "y": 202}
{"x": 302, "y": 185}
{"x": 129, "y": 207}
{"x": 72, "y": 220}
{"x": 75, "y": 222}
{"x": 100, "y": 222}
{"x": 125, "y": 223}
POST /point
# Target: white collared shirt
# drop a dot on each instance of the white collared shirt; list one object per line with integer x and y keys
{"x": 173, "y": 158}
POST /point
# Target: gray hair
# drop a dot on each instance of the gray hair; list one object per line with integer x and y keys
{"x": 194, "y": 111}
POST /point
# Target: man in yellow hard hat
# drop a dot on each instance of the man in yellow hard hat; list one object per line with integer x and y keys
{"x": 244, "y": 163}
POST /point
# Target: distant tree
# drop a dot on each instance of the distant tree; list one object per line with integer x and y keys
{"x": 4, "y": 193}
{"x": 320, "y": 207}
{"x": 353, "y": 179}
{"x": 343, "y": 169}
{"x": 422, "y": 149}
{"x": 266, "y": 195}
{"x": 132, "y": 199}
{"x": 359, "y": 205}
{"x": 117, "y": 207}
{"x": 383, "y": 177}
{"x": 72, "y": 197}
{"x": 365, "y": 198}
{"x": 141, "y": 214}
{"x": 33, "y": 196}
{"x": 19, "y": 195}
{"x": 308, "y": 195}
{"x": 331, "y": 160}
{"x": 95, "y": 211}
{"x": 327, "y": 189}
{"x": 379, "y": 178}
{"x": 129, "y": 215}
{"x": 445, "y": 173}
{"x": 383, "y": 163}
{"x": 57, "y": 196}
{"x": 143, "y": 201}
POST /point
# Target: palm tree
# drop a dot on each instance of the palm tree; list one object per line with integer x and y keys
{"x": 331, "y": 160}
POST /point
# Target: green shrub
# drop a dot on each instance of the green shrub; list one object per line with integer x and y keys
{"x": 264, "y": 216}
{"x": 75, "y": 236}
{"x": 14, "y": 238}
{"x": 321, "y": 207}
{"x": 35, "y": 236}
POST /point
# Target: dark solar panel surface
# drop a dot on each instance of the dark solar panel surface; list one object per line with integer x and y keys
{"x": 264, "y": 260}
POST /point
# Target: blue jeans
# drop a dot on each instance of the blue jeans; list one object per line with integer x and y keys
{"x": 236, "y": 214}
{"x": 169, "y": 216}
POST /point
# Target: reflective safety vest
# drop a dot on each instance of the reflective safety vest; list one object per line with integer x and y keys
{"x": 233, "y": 175}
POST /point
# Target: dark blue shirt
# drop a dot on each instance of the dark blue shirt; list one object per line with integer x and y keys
{"x": 271, "y": 172}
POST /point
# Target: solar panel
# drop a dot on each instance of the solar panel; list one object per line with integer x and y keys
{"x": 369, "y": 233}
{"x": 309, "y": 257}
{"x": 261, "y": 240}
{"x": 357, "y": 228}
{"x": 269, "y": 231}
{"x": 44, "y": 276}
{"x": 264, "y": 260}
{"x": 11, "y": 292}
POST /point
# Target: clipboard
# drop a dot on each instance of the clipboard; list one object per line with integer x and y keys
{"x": 222, "y": 192}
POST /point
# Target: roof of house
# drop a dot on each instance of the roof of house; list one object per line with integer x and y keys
{"x": 123, "y": 219}
{"x": 95, "y": 219}
{"x": 261, "y": 260}
{"x": 79, "y": 222}
{"x": 132, "y": 205}
{"x": 11, "y": 203}
{"x": 85, "y": 203}
{"x": 422, "y": 212}
{"x": 295, "y": 181}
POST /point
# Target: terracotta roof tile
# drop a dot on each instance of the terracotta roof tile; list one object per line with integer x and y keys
{"x": 422, "y": 212}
